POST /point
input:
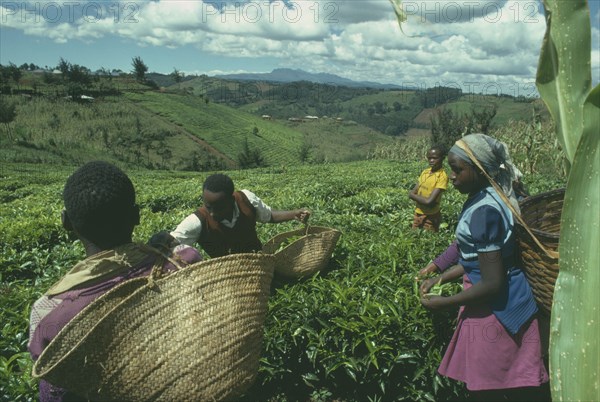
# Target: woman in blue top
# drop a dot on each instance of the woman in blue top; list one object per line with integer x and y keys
{"x": 496, "y": 347}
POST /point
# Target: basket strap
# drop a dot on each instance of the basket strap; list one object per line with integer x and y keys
{"x": 463, "y": 145}
{"x": 157, "y": 268}
{"x": 176, "y": 261}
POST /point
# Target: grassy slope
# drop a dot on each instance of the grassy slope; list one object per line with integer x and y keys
{"x": 51, "y": 130}
{"x": 55, "y": 130}
{"x": 223, "y": 127}
{"x": 349, "y": 140}
{"x": 406, "y": 98}
{"x": 507, "y": 108}
{"x": 339, "y": 141}
{"x": 226, "y": 129}
{"x": 59, "y": 130}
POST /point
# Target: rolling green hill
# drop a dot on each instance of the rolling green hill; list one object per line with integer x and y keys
{"x": 390, "y": 112}
{"x": 205, "y": 123}
{"x": 166, "y": 130}
{"x": 507, "y": 108}
{"x": 224, "y": 128}
{"x": 50, "y": 130}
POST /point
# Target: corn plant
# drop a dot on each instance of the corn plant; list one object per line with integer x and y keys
{"x": 412, "y": 149}
{"x": 564, "y": 82}
{"x": 531, "y": 148}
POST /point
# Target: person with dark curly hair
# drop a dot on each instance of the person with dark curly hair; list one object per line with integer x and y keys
{"x": 226, "y": 223}
{"x": 100, "y": 210}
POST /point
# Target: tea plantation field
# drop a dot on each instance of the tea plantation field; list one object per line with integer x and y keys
{"x": 354, "y": 332}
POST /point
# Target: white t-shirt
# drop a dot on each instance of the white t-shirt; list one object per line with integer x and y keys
{"x": 188, "y": 231}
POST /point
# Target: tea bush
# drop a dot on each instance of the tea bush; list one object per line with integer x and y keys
{"x": 354, "y": 332}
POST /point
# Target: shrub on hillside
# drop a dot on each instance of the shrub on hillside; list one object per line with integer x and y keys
{"x": 251, "y": 157}
{"x": 8, "y": 112}
{"x": 448, "y": 126}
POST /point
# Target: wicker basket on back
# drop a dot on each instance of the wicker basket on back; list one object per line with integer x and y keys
{"x": 542, "y": 214}
{"x": 302, "y": 252}
{"x": 195, "y": 334}
{"x": 537, "y": 227}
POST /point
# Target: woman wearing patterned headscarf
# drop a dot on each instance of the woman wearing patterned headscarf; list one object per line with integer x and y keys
{"x": 496, "y": 347}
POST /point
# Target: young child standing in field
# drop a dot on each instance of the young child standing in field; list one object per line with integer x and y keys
{"x": 496, "y": 348}
{"x": 427, "y": 193}
{"x": 100, "y": 209}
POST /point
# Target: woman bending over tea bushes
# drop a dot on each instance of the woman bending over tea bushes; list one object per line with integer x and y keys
{"x": 496, "y": 347}
{"x": 100, "y": 209}
{"x": 226, "y": 223}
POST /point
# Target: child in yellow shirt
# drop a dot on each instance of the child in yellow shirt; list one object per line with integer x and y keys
{"x": 427, "y": 193}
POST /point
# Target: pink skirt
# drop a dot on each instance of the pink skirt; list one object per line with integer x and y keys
{"x": 485, "y": 356}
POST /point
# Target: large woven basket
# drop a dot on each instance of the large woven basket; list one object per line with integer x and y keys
{"x": 307, "y": 254}
{"x": 542, "y": 214}
{"x": 195, "y": 334}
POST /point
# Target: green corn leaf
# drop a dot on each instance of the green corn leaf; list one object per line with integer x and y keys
{"x": 399, "y": 11}
{"x": 564, "y": 82}
{"x": 564, "y": 75}
{"x": 574, "y": 353}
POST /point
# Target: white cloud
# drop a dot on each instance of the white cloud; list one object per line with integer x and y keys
{"x": 454, "y": 40}
{"x": 258, "y": 19}
{"x": 596, "y": 53}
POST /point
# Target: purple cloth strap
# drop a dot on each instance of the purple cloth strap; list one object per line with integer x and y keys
{"x": 448, "y": 258}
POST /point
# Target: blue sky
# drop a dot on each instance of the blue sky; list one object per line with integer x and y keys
{"x": 484, "y": 46}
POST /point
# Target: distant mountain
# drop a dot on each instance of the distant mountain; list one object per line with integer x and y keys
{"x": 293, "y": 75}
